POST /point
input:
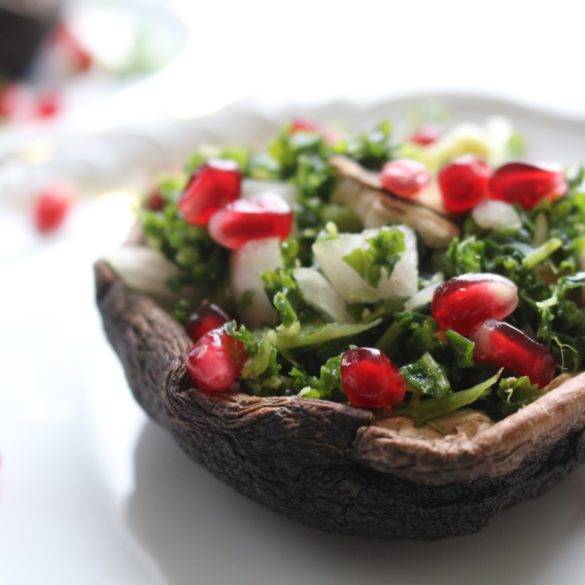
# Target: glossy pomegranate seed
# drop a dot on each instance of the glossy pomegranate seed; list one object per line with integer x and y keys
{"x": 48, "y": 105}
{"x": 369, "y": 379}
{"x": 426, "y": 134}
{"x": 15, "y": 102}
{"x": 155, "y": 201}
{"x": 72, "y": 46}
{"x": 258, "y": 218}
{"x": 216, "y": 361}
{"x": 464, "y": 183}
{"x": 502, "y": 345}
{"x": 465, "y": 302}
{"x": 213, "y": 185}
{"x": 404, "y": 177}
{"x": 304, "y": 125}
{"x": 526, "y": 184}
{"x": 52, "y": 206}
{"x": 207, "y": 317}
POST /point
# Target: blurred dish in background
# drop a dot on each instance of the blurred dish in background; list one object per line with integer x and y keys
{"x": 53, "y": 58}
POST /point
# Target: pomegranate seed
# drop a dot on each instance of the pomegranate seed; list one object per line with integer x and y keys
{"x": 258, "y": 218}
{"x": 48, "y": 105}
{"x": 15, "y": 102}
{"x": 213, "y": 185}
{"x": 155, "y": 201}
{"x": 52, "y": 206}
{"x": 502, "y": 345}
{"x": 304, "y": 125}
{"x": 465, "y": 302}
{"x": 426, "y": 134}
{"x": 464, "y": 183}
{"x": 216, "y": 361}
{"x": 71, "y": 45}
{"x": 404, "y": 177}
{"x": 526, "y": 184}
{"x": 369, "y": 379}
{"x": 207, "y": 317}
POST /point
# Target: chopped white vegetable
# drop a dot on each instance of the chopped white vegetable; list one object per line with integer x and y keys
{"x": 144, "y": 270}
{"x": 402, "y": 283}
{"x": 318, "y": 292}
{"x": 496, "y": 215}
{"x": 246, "y": 267}
{"x": 254, "y": 187}
{"x": 422, "y": 298}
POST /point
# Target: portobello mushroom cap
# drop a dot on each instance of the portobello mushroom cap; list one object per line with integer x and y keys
{"x": 333, "y": 466}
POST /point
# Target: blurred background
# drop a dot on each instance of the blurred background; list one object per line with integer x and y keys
{"x": 99, "y": 96}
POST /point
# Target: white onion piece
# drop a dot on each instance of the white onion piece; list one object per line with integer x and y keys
{"x": 422, "y": 298}
{"x": 496, "y": 215}
{"x": 254, "y": 187}
{"x": 246, "y": 267}
{"x": 144, "y": 270}
{"x": 402, "y": 283}
{"x": 318, "y": 292}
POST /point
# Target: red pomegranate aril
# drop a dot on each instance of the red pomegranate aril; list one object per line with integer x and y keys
{"x": 213, "y": 185}
{"x": 465, "y": 302}
{"x": 208, "y": 316}
{"x": 404, "y": 177}
{"x": 502, "y": 345}
{"x": 304, "y": 125}
{"x": 48, "y": 105}
{"x": 69, "y": 42}
{"x": 426, "y": 134}
{"x": 15, "y": 102}
{"x": 370, "y": 380}
{"x": 258, "y": 218}
{"x": 52, "y": 206}
{"x": 215, "y": 361}
{"x": 155, "y": 201}
{"x": 526, "y": 184}
{"x": 464, "y": 182}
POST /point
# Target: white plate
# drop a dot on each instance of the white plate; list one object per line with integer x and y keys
{"x": 92, "y": 493}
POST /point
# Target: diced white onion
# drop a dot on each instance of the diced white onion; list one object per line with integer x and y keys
{"x": 144, "y": 270}
{"x": 246, "y": 267}
{"x": 402, "y": 283}
{"x": 422, "y": 298}
{"x": 318, "y": 292}
{"x": 494, "y": 215}
{"x": 254, "y": 187}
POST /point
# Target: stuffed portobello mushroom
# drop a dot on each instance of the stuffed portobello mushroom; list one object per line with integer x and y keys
{"x": 370, "y": 336}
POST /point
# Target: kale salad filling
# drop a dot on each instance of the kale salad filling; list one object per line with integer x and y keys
{"x": 419, "y": 276}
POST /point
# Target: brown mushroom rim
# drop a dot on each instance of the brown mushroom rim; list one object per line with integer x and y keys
{"x": 494, "y": 451}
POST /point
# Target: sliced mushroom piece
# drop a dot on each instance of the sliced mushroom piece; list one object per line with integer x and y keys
{"x": 360, "y": 190}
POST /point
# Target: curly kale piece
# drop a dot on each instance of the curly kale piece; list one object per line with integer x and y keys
{"x": 383, "y": 252}
{"x": 425, "y": 410}
{"x": 327, "y": 385}
{"x": 261, "y": 373}
{"x": 372, "y": 149}
{"x": 201, "y": 261}
{"x": 516, "y": 393}
{"x": 427, "y": 377}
